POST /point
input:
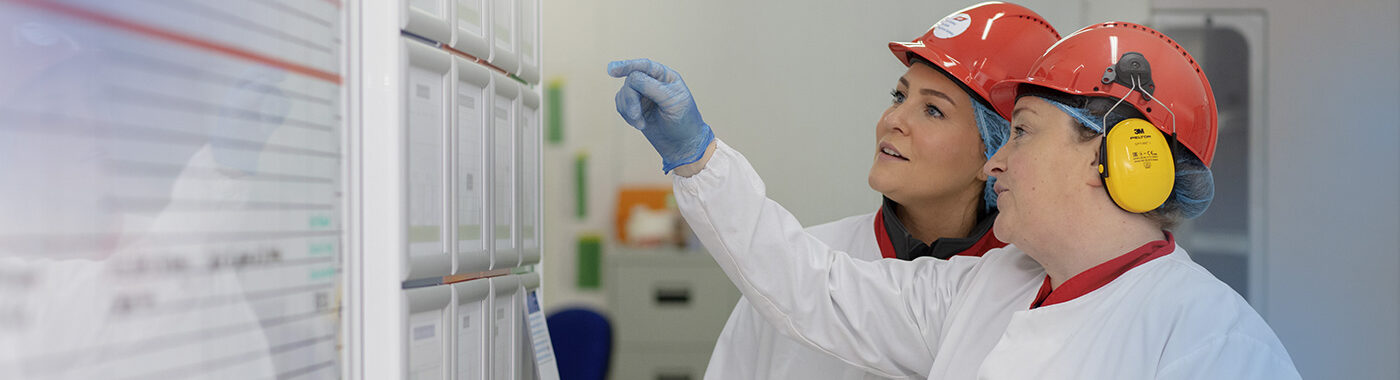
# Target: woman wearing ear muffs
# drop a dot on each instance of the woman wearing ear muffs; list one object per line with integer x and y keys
{"x": 1092, "y": 286}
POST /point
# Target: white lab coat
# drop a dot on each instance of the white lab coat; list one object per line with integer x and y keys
{"x": 968, "y": 317}
{"x": 751, "y": 348}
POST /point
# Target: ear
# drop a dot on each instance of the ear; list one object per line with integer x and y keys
{"x": 1090, "y": 152}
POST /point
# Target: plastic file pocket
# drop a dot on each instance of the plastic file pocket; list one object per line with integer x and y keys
{"x": 528, "y": 120}
{"x": 427, "y": 316}
{"x": 426, "y": 115}
{"x": 473, "y": 309}
{"x": 526, "y": 355}
{"x": 472, "y": 116}
{"x": 503, "y": 194}
{"x": 503, "y": 35}
{"x": 473, "y": 28}
{"x": 431, "y": 19}
{"x": 506, "y": 323}
{"x": 529, "y": 45}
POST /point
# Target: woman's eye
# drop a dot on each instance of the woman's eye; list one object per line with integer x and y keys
{"x": 896, "y": 96}
{"x": 1017, "y": 132}
{"x": 933, "y": 111}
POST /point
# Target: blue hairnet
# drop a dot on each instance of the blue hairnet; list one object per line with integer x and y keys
{"x": 994, "y": 131}
{"x": 1194, "y": 186}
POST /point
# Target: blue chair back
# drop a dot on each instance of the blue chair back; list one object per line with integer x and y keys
{"x": 582, "y": 343}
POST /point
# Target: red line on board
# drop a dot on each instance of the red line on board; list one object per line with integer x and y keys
{"x": 180, "y": 38}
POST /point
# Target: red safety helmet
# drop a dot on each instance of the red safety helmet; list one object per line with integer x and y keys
{"x": 983, "y": 44}
{"x": 1104, "y": 59}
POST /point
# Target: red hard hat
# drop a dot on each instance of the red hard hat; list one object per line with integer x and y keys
{"x": 983, "y": 44}
{"x": 1087, "y": 63}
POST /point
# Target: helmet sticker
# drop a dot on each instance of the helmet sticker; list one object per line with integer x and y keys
{"x": 952, "y": 26}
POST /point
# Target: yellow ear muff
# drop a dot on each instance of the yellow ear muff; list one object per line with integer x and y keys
{"x": 1137, "y": 166}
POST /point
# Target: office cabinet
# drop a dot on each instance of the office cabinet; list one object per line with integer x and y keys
{"x": 669, "y": 307}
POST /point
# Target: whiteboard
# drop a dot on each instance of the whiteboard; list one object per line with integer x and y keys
{"x": 172, "y": 201}
{"x": 243, "y": 190}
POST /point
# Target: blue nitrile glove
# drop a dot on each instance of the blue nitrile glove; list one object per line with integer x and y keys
{"x": 655, "y": 100}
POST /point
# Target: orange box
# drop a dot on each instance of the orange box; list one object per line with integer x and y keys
{"x": 653, "y": 198}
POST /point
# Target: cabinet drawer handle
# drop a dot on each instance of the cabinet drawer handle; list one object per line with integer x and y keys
{"x": 673, "y": 296}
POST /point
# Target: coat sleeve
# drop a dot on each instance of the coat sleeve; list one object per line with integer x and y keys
{"x": 1232, "y": 356}
{"x": 884, "y": 316}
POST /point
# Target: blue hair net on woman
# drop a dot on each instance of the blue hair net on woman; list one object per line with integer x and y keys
{"x": 1194, "y": 186}
{"x": 994, "y": 131}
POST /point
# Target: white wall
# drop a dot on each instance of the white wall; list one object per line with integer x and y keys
{"x": 1332, "y": 182}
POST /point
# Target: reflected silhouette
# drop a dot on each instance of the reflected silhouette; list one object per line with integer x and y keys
{"x": 159, "y": 218}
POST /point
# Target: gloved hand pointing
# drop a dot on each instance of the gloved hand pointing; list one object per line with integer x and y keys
{"x": 656, "y": 101}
